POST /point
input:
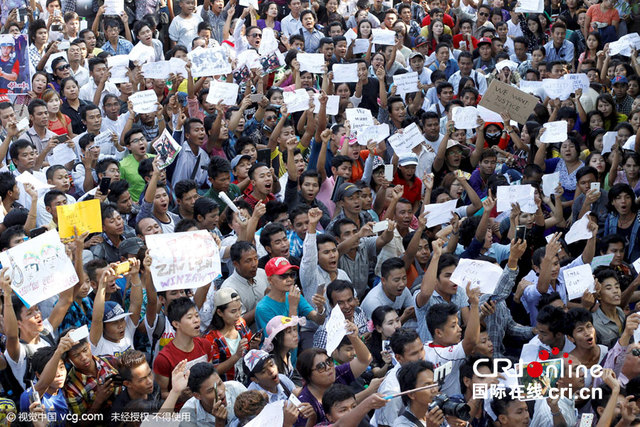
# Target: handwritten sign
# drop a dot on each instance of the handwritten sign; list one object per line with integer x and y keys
{"x": 577, "y": 280}
{"x": 359, "y": 118}
{"x": 333, "y": 104}
{"x": 84, "y": 216}
{"x": 183, "y": 260}
{"x": 141, "y": 53}
{"x": 384, "y": 37}
{"x": 335, "y": 328}
{"x": 345, "y": 73}
{"x": 521, "y": 194}
{"x": 465, "y": 117}
{"x": 620, "y": 47}
{"x": 532, "y": 86}
{"x": 440, "y": 213}
{"x": 406, "y": 83}
{"x": 360, "y": 46}
{"x": 403, "y": 142}
{"x": 550, "y": 182}
{"x": 113, "y": 7}
{"x": 297, "y": 100}
{"x": 206, "y": 62}
{"x": 503, "y": 97}
{"x": 601, "y": 260}
{"x": 554, "y": 132}
{"x": 118, "y": 61}
{"x": 166, "y": 148}
{"x": 350, "y": 35}
{"x": 557, "y": 89}
{"x": 144, "y": 102}
{"x": 530, "y": 6}
{"x": 178, "y": 67}
{"x": 39, "y": 268}
{"x": 227, "y": 93}
{"x": 630, "y": 144}
{"x": 375, "y": 133}
{"x": 577, "y": 81}
{"x": 311, "y": 62}
{"x": 156, "y": 70}
{"x": 119, "y": 75}
{"x": 105, "y": 141}
{"x": 482, "y": 274}
{"x": 579, "y": 230}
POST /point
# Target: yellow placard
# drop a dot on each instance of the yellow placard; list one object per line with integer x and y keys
{"x": 85, "y": 216}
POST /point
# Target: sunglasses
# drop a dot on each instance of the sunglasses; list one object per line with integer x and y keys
{"x": 63, "y": 67}
{"x": 255, "y": 35}
{"x": 288, "y": 275}
{"x": 483, "y": 14}
{"x": 324, "y": 366}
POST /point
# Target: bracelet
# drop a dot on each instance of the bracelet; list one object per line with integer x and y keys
{"x": 556, "y": 414}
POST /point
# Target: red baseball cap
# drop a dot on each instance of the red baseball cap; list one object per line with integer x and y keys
{"x": 484, "y": 40}
{"x": 279, "y": 265}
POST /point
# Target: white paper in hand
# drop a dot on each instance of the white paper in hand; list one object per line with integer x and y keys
{"x": 636, "y": 265}
{"x": 481, "y": 274}
{"x": 222, "y": 91}
{"x": 345, "y": 73}
{"x": 385, "y": 37}
{"x": 375, "y": 133}
{"x": 311, "y": 62}
{"x": 550, "y": 182}
{"x": 554, "y": 132}
{"x": 577, "y": 280}
{"x": 333, "y": 104}
{"x": 79, "y": 334}
{"x": 335, "y": 328}
{"x": 27, "y": 178}
{"x": 608, "y": 139}
{"x": 521, "y": 194}
{"x": 440, "y": 213}
{"x": 272, "y": 414}
{"x": 359, "y": 118}
{"x": 406, "y": 83}
{"x": 579, "y": 230}
{"x": 296, "y": 101}
{"x": 144, "y": 102}
{"x": 465, "y": 117}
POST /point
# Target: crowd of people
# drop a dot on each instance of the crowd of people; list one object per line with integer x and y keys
{"x": 313, "y": 219}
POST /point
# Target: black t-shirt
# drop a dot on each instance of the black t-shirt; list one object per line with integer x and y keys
{"x": 150, "y": 405}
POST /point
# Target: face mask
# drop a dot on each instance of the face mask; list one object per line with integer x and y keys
{"x": 493, "y": 137}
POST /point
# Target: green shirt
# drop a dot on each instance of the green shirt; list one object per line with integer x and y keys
{"x": 129, "y": 172}
{"x": 233, "y": 192}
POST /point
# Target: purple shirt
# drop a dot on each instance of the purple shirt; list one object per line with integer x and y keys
{"x": 343, "y": 376}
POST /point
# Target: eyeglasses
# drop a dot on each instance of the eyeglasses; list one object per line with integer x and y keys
{"x": 255, "y": 35}
{"x": 63, "y": 67}
{"x": 324, "y": 366}
{"x": 288, "y": 275}
{"x": 483, "y": 14}
{"x": 137, "y": 140}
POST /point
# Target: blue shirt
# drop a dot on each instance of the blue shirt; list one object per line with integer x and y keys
{"x": 124, "y": 47}
{"x": 459, "y": 299}
{"x": 267, "y": 308}
{"x": 55, "y": 406}
{"x": 565, "y": 53}
{"x": 451, "y": 69}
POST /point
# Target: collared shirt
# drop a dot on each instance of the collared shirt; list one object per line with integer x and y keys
{"x": 34, "y": 55}
{"x": 460, "y": 299}
{"x": 624, "y": 106}
{"x": 196, "y": 415}
{"x": 88, "y": 91}
{"x": 450, "y": 69}
{"x": 80, "y": 389}
{"x": 123, "y": 47}
{"x": 359, "y": 267}
{"x": 359, "y": 318}
{"x": 290, "y": 25}
{"x": 186, "y": 163}
{"x": 311, "y": 274}
{"x": 77, "y": 315}
{"x": 311, "y": 40}
{"x": 233, "y": 192}
{"x": 250, "y": 292}
{"x": 81, "y": 75}
{"x": 542, "y": 416}
{"x": 607, "y": 332}
{"x": 129, "y": 172}
{"x": 216, "y": 22}
{"x": 40, "y": 143}
{"x": 614, "y": 361}
{"x": 564, "y": 53}
{"x": 394, "y": 407}
{"x": 183, "y": 30}
{"x": 531, "y": 350}
{"x": 479, "y": 80}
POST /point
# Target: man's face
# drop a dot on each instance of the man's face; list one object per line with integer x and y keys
{"x": 557, "y": 71}
{"x": 247, "y": 267}
{"x": 113, "y": 225}
{"x": 149, "y": 226}
{"x": 308, "y": 21}
{"x": 81, "y": 358}
{"x": 346, "y": 301}
{"x": 188, "y": 200}
{"x": 98, "y": 72}
{"x": 138, "y": 144}
{"x": 268, "y": 377}
{"x": 425, "y": 397}
{"x": 432, "y": 129}
{"x": 352, "y": 204}
{"x": 31, "y": 320}
{"x": 497, "y": 46}
{"x": 279, "y": 245}
{"x": 328, "y": 256}
{"x": 446, "y": 95}
{"x": 301, "y": 225}
{"x": 221, "y": 182}
{"x": 617, "y": 249}
{"x": 141, "y": 379}
{"x": 404, "y": 215}
{"x": 488, "y": 166}
{"x": 187, "y": 6}
{"x": 341, "y": 49}
{"x": 466, "y": 65}
{"x": 210, "y": 220}
{"x": 395, "y": 283}
{"x": 558, "y": 36}
{"x": 451, "y": 332}
{"x": 584, "y": 335}
{"x": 413, "y": 352}
{"x": 483, "y": 15}
{"x": 53, "y": 207}
{"x": 485, "y": 51}
{"x": 417, "y": 63}
{"x": 112, "y": 108}
{"x": 7, "y": 115}
{"x": 60, "y": 180}
{"x": 327, "y": 50}
{"x": 620, "y": 90}
{"x": 124, "y": 203}
{"x": 17, "y": 239}
{"x": 340, "y": 409}
{"x": 212, "y": 390}
{"x": 442, "y": 55}
{"x": 294, "y": 6}
{"x": 262, "y": 180}
{"x": 189, "y": 324}
{"x": 74, "y": 53}
{"x": 26, "y": 158}
{"x": 40, "y": 116}
{"x": 517, "y": 415}
{"x": 546, "y": 336}
{"x": 520, "y": 50}
{"x": 390, "y": 19}
{"x": 93, "y": 121}
{"x": 343, "y": 170}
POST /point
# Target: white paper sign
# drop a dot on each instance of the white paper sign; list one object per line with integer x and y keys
{"x": 345, "y": 73}
{"x": 296, "y": 101}
{"x": 555, "y": 132}
{"x": 269, "y": 43}
{"x": 360, "y": 46}
{"x": 141, "y": 53}
{"x": 601, "y": 260}
{"x": 156, "y": 70}
{"x": 359, "y": 118}
{"x": 183, "y": 260}
{"x": 178, "y": 67}
{"x": 144, "y": 102}
{"x": 311, "y": 62}
{"x": 608, "y": 139}
{"x": 333, "y": 104}
{"x": 273, "y": 413}
{"x": 579, "y": 230}
{"x": 384, "y": 37}
{"x": 113, "y": 7}
{"x": 403, "y": 142}
{"x": 577, "y": 280}
{"x": 39, "y": 268}
{"x": 118, "y": 61}
{"x": 488, "y": 115}
{"x": 247, "y": 3}
{"x": 481, "y": 274}
{"x": 23, "y": 124}
{"x": 557, "y": 89}
{"x": 521, "y": 194}
{"x": 531, "y": 86}
{"x": 636, "y": 265}
{"x": 440, "y": 213}
{"x": 119, "y": 75}
{"x": 27, "y": 178}
{"x": 105, "y": 142}
{"x": 578, "y": 81}
{"x": 206, "y": 62}
{"x": 630, "y": 144}
{"x": 47, "y": 66}
{"x": 350, "y": 35}
{"x": 335, "y": 328}
{"x": 375, "y": 133}
{"x": 620, "y": 47}
{"x": 406, "y": 83}
{"x": 465, "y": 117}
{"x": 550, "y": 182}
{"x": 225, "y": 92}
{"x": 61, "y": 155}
{"x": 530, "y": 6}
{"x": 388, "y": 172}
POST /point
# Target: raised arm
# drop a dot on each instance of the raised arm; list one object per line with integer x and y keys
{"x": 10, "y": 321}
{"x": 135, "y": 304}
{"x": 430, "y": 277}
{"x": 472, "y": 333}
{"x": 550, "y": 254}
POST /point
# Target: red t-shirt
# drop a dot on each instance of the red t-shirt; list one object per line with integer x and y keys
{"x": 446, "y": 20}
{"x": 412, "y": 191}
{"x": 458, "y": 38}
{"x": 170, "y": 356}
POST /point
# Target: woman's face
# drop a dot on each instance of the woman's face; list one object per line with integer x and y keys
{"x": 332, "y": 6}
{"x": 543, "y": 21}
{"x": 592, "y": 42}
{"x": 327, "y": 375}
{"x": 524, "y": 135}
{"x": 597, "y": 161}
{"x": 635, "y": 121}
{"x": 611, "y": 72}
{"x": 390, "y": 324}
{"x": 306, "y": 79}
{"x": 622, "y": 203}
{"x": 620, "y": 70}
{"x": 70, "y": 90}
{"x": 438, "y": 28}
{"x": 636, "y": 104}
{"x": 568, "y": 151}
{"x": 623, "y": 135}
{"x": 273, "y": 10}
{"x": 533, "y": 26}
{"x": 53, "y": 105}
{"x": 343, "y": 91}
{"x": 598, "y": 143}
{"x": 39, "y": 83}
{"x": 231, "y": 313}
{"x": 633, "y": 89}
{"x": 377, "y": 62}
{"x": 537, "y": 56}
{"x": 631, "y": 168}
{"x": 605, "y": 108}
{"x": 277, "y": 98}
{"x": 456, "y": 190}
{"x": 596, "y": 120}
{"x": 290, "y": 338}
{"x": 365, "y": 29}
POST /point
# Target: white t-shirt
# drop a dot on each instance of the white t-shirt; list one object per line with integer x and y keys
{"x": 18, "y": 367}
{"x": 106, "y": 347}
{"x": 439, "y": 355}
{"x": 184, "y": 30}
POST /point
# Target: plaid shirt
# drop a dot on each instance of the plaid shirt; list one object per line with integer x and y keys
{"x": 501, "y": 323}
{"x": 221, "y": 351}
{"x": 80, "y": 389}
{"x": 123, "y": 48}
{"x": 77, "y": 315}
{"x": 359, "y": 318}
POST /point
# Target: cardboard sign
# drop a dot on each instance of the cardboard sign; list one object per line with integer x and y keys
{"x": 503, "y": 97}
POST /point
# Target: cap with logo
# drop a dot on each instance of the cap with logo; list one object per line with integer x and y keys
{"x": 113, "y": 312}
{"x": 254, "y": 361}
{"x": 619, "y": 80}
{"x": 484, "y": 40}
{"x": 278, "y": 265}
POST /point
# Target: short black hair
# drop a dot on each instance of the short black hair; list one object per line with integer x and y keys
{"x": 178, "y": 308}
{"x": 10, "y": 233}
{"x": 51, "y": 195}
{"x": 41, "y": 357}
{"x": 499, "y": 405}
{"x": 218, "y": 166}
{"x": 574, "y": 317}
{"x": 238, "y": 249}
{"x": 337, "y": 226}
{"x": 103, "y": 165}
{"x": 438, "y": 315}
{"x": 16, "y": 147}
{"x": 93, "y": 266}
{"x": 335, "y": 394}
{"x": 199, "y": 373}
{"x": 117, "y": 189}
{"x": 467, "y": 368}
{"x": 391, "y": 264}
{"x": 255, "y": 167}
{"x": 7, "y": 183}
{"x": 552, "y": 316}
{"x": 337, "y": 286}
{"x": 203, "y": 206}
{"x": 408, "y": 376}
{"x": 269, "y": 230}
{"x": 36, "y": 103}
{"x": 401, "y": 338}
{"x": 86, "y": 108}
{"x": 185, "y": 224}
{"x": 183, "y": 187}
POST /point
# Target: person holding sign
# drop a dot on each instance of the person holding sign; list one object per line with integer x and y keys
{"x": 567, "y": 164}
{"x": 156, "y": 203}
{"x": 452, "y": 155}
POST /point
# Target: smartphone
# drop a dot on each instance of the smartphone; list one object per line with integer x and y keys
{"x": 264, "y": 156}
{"x": 256, "y": 97}
{"x": 34, "y": 396}
{"x": 123, "y": 267}
{"x": 380, "y": 226}
{"x": 104, "y": 185}
{"x": 62, "y": 138}
{"x": 23, "y": 15}
{"x": 115, "y": 378}
{"x": 521, "y": 232}
{"x": 320, "y": 290}
{"x": 37, "y": 231}
{"x": 258, "y": 335}
{"x": 595, "y": 186}
{"x": 386, "y": 346}
{"x": 388, "y": 172}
